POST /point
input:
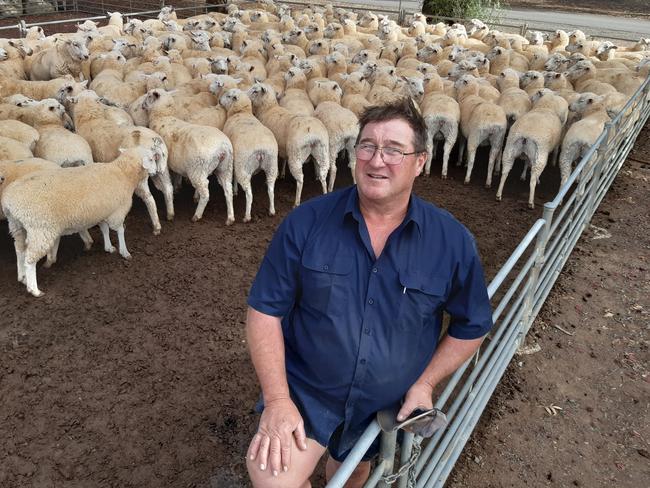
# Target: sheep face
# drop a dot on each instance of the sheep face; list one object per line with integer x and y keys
{"x": 156, "y": 98}
{"x": 20, "y": 100}
{"x": 77, "y": 50}
{"x": 3, "y": 54}
{"x": 219, "y": 65}
{"x": 529, "y": 77}
{"x": 22, "y": 48}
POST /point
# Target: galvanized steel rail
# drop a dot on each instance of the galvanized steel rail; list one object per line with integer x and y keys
{"x": 529, "y": 275}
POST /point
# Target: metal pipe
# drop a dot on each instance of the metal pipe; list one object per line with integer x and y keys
{"x": 387, "y": 448}
{"x": 376, "y": 475}
{"x": 405, "y": 455}
{"x": 356, "y": 455}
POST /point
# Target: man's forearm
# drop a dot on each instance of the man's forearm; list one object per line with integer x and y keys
{"x": 449, "y": 356}
{"x": 266, "y": 345}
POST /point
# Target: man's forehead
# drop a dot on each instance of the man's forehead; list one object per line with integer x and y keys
{"x": 394, "y": 131}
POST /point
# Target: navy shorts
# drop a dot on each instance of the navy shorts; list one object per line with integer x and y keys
{"x": 332, "y": 445}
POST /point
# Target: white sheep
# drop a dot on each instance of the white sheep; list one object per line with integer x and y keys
{"x": 583, "y": 133}
{"x": 63, "y": 59}
{"x": 342, "y": 124}
{"x": 481, "y": 122}
{"x": 43, "y": 206}
{"x": 254, "y": 147}
{"x": 442, "y": 116}
{"x": 298, "y": 136}
{"x": 534, "y": 135}
{"x": 195, "y": 151}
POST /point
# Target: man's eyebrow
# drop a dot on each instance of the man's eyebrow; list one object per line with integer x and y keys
{"x": 389, "y": 142}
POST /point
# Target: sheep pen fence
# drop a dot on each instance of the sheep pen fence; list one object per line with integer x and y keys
{"x": 518, "y": 290}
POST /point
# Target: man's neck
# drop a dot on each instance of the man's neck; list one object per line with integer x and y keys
{"x": 383, "y": 214}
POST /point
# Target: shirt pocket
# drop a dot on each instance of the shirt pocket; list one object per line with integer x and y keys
{"x": 323, "y": 277}
{"x": 421, "y": 299}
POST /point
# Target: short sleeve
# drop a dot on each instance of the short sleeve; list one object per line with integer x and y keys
{"x": 468, "y": 302}
{"x": 275, "y": 286}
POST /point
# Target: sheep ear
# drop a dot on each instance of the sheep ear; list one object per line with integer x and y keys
{"x": 84, "y": 84}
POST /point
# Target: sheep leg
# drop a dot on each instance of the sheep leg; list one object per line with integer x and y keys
{"x": 246, "y": 185}
{"x": 143, "y": 191}
{"x": 108, "y": 246}
{"x": 87, "y": 239}
{"x": 19, "y": 236}
{"x": 163, "y": 182}
{"x": 461, "y": 150}
{"x": 473, "y": 142}
{"x": 270, "y": 188}
{"x": 495, "y": 149}
{"x": 322, "y": 157}
{"x": 296, "y": 171}
{"x": 352, "y": 157}
{"x": 523, "y": 175}
{"x": 224, "y": 177}
{"x": 177, "y": 182}
{"x": 38, "y": 245}
{"x": 505, "y": 169}
{"x": 121, "y": 242}
{"x": 200, "y": 185}
{"x": 332, "y": 169}
{"x": 283, "y": 171}
{"x": 52, "y": 252}
{"x": 427, "y": 165}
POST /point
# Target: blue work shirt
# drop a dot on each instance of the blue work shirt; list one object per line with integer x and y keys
{"x": 360, "y": 330}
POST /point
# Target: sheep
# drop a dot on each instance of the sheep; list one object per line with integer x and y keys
{"x": 64, "y": 58}
{"x": 583, "y": 133}
{"x": 38, "y": 90}
{"x": 254, "y": 147}
{"x": 295, "y": 98}
{"x": 342, "y": 124}
{"x": 56, "y": 143}
{"x": 12, "y": 169}
{"x": 442, "y": 116}
{"x": 514, "y": 101}
{"x": 355, "y": 88}
{"x": 16, "y": 52}
{"x": 535, "y": 135}
{"x": 13, "y": 149}
{"x": 45, "y": 205}
{"x": 19, "y": 131}
{"x": 298, "y": 136}
{"x": 480, "y": 121}
{"x": 195, "y": 151}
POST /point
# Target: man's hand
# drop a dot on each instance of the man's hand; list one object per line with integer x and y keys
{"x": 272, "y": 444}
{"x": 418, "y": 396}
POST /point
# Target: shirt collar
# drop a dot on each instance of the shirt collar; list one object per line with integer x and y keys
{"x": 413, "y": 213}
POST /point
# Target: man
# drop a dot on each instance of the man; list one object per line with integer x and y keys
{"x": 345, "y": 313}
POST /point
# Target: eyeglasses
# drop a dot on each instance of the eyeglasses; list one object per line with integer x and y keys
{"x": 389, "y": 155}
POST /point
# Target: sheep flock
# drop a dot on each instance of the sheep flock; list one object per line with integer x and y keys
{"x": 89, "y": 118}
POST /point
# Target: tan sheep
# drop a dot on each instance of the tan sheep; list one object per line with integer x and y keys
{"x": 195, "y": 151}
{"x": 43, "y": 206}
{"x": 19, "y": 131}
{"x": 254, "y": 147}
{"x": 63, "y": 59}
{"x": 298, "y": 136}
{"x": 342, "y": 124}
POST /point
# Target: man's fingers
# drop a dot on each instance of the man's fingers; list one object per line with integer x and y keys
{"x": 275, "y": 460}
{"x": 301, "y": 437}
{"x": 263, "y": 453}
{"x": 405, "y": 411}
{"x": 286, "y": 442}
{"x": 254, "y": 446}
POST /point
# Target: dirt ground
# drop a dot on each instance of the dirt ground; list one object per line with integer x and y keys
{"x": 636, "y": 8}
{"x": 136, "y": 374}
{"x": 593, "y": 363}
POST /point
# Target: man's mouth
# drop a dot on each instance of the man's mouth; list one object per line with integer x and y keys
{"x": 377, "y": 177}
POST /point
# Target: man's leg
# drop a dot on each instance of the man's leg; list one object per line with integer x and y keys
{"x": 302, "y": 466}
{"x": 359, "y": 475}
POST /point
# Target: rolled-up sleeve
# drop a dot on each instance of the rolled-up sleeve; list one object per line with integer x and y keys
{"x": 275, "y": 287}
{"x": 468, "y": 303}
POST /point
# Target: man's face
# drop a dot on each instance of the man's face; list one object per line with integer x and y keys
{"x": 378, "y": 182}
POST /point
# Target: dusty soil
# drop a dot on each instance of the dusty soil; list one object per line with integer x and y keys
{"x": 634, "y": 8}
{"x": 593, "y": 363}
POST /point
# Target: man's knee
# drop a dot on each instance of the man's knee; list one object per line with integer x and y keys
{"x": 302, "y": 466}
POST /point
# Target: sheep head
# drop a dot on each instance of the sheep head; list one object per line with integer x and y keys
{"x": 77, "y": 50}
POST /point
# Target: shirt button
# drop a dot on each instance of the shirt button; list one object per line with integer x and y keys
{"x": 370, "y": 301}
{"x": 363, "y": 361}
{"x": 325, "y": 267}
{"x": 374, "y": 270}
{"x": 367, "y": 330}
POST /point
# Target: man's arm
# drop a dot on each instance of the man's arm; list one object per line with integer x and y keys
{"x": 449, "y": 356}
{"x": 280, "y": 418}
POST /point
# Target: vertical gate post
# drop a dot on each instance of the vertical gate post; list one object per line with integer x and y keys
{"x": 599, "y": 169}
{"x": 404, "y": 456}
{"x": 387, "y": 454}
{"x": 540, "y": 259}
